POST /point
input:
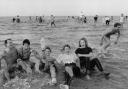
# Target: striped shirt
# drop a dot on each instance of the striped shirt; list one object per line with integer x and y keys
{"x": 67, "y": 58}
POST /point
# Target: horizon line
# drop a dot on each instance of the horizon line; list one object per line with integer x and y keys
{"x": 55, "y": 15}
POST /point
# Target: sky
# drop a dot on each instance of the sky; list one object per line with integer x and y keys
{"x": 62, "y": 7}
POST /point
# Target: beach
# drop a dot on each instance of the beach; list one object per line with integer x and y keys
{"x": 69, "y": 33}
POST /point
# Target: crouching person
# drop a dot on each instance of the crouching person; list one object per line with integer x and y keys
{"x": 29, "y": 58}
{"x": 50, "y": 66}
{"x": 24, "y": 55}
{"x": 69, "y": 60}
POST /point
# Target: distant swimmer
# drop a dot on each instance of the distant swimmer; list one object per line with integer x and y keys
{"x": 40, "y": 19}
{"x": 13, "y": 20}
{"x": 122, "y": 19}
{"x": 30, "y": 18}
{"x": 68, "y": 18}
{"x": 107, "y": 20}
{"x": 18, "y": 19}
{"x": 84, "y": 19}
{"x": 112, "y": 18}
{"x": 105, "y": 40}
{"x": 95, "y": 18}
{"x": 126, "y": 17}
{"x": 43, "y": 19}
{"x": 36, "y": 18}
{"x": 52, "y": 21}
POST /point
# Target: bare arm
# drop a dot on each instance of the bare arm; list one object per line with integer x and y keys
{"x": 1, "y": 57}
{"x": 85, "y": 55}
{"x": 101, "y": 42}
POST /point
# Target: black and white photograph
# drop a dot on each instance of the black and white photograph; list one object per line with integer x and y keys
{"x": 63, "y": 44}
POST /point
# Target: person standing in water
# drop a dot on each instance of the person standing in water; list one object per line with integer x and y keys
{"x": 106, "y": 38}
{"x": 122, "y": 19}
{"x": 52, "y": 21}
{"x": 13, "y": 20}
{"x": 107, "y": 20}
{"x": 18, "y": 19}
{"x": 95, "y": 18}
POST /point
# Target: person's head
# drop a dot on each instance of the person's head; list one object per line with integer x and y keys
{"x": 8, "y": 43}
{"x": 26, "y": 44}
{"x": 83, "y": 42}
{"x": 47, "y": 51}
{"x": 122, "y": 14}
{"x": 117, "y": 25}
{"x": 66, "y": 48}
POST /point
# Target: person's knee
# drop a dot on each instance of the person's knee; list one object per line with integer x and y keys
{"x": 69, "y": 70}
{"x": 52, "y": 72}
{"x": 95, "y": 59}
{"x": 37, "y": 64}
{"x": 28, "y": 69}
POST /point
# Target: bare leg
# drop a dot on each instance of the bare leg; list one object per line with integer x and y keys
{"x": 106, "y": 44}
{"x": 37, "y": 64}
{"x": 69, "y": 70}
{"x": 6, "y": 74}
{"x": 37, "y": 67}
{"x": 53, "y": 74}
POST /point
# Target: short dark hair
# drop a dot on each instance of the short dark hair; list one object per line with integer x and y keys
{"x": 47, "y": 48}
{"x": 6, "y": 41}
{"x": 26, "y": 41}
{"x": 67, "y": 45}
{"x": 117, "y": 24}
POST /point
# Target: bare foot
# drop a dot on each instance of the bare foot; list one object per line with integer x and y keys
{"x": 88, "y": 77}
{"x": 38, "y": 71}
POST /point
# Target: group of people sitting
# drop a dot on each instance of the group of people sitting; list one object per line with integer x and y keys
{"x": 25, "y": 59}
